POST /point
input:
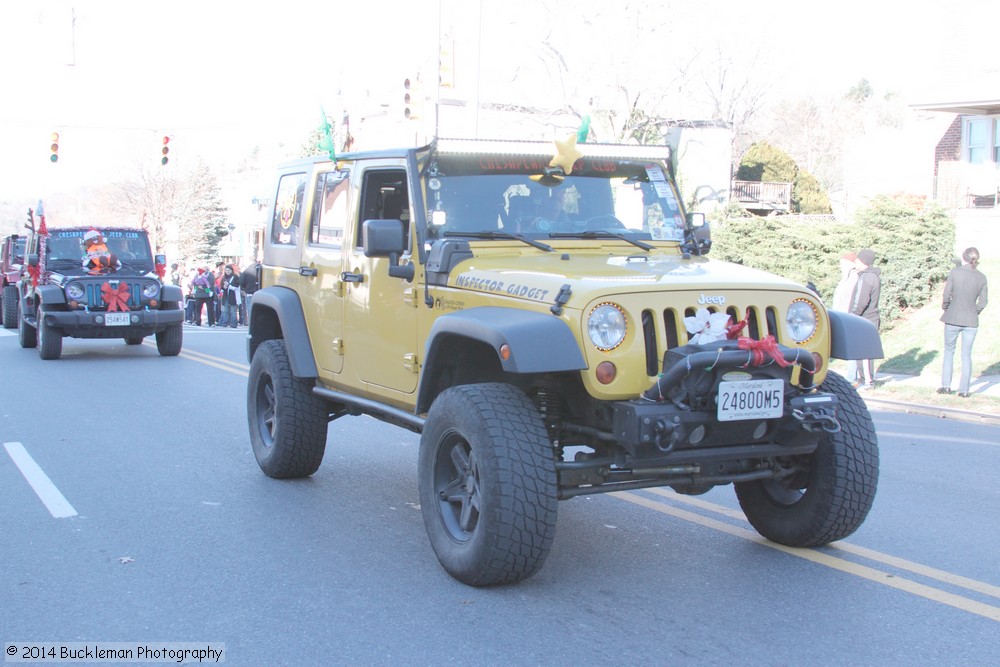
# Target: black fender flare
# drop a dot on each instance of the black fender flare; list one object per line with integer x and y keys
{"x": 50, "y": 294}
{"x": 288, "y": 322}
{"x": 537, "y": 342}
{"x": 853, "y": 337}
{"x": 171, "y": 293}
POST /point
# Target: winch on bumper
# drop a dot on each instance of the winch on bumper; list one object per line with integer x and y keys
{"x": 105, "y": 324}
{"x": 714, "y": 415}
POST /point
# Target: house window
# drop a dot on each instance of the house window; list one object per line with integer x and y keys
{"x": 977, "y": 138}
{"x": 996, "y": 141}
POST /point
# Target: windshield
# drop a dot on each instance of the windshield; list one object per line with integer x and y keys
{"x": 607, "y": 198}
{"x": 64, "y": 249}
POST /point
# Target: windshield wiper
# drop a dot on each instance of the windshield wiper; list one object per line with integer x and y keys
{"x": 501, "y": 235}
{"x": 600, "y": 234}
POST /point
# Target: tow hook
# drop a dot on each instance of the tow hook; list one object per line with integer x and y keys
{"x": 816, "y": 412}
{"x": 665, "y": 435}
{"x": 817, "y": 421}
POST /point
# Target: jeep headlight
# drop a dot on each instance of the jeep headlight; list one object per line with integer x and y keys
{"x": 801, "y": 320}
{"x": 74, "y": 291}
{"x": 607, "y": 326}
{"x": 150, "y": 290}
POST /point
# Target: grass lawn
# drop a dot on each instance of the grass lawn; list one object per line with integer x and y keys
{"x": 913, "y": 344}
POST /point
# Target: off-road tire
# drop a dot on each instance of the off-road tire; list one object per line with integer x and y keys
{"x": 9, "y": 306}
{"x": 287, "y": 421}
{"x": 49, "y": 340}
{"x": 840, "y": 486}
{"x": 27, "y": 336}
{"x": 170, "y": 340}
{"x": 488, "y": 485}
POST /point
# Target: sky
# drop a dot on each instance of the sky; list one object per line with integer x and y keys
{"x": 114, "y": 77}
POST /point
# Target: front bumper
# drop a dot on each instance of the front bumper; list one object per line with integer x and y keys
{"x": 91, "y": 324}
{"x": 674, "y": 434}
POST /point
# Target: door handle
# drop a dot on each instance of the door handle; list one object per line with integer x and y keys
{"x": 307, "y": 271}
{"x": 349, "y": 277}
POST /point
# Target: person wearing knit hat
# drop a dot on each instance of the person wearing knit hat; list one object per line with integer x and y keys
{"x": 965, "y": 296}
{"x": 864, "y": 302}
{"x": 842, "y": 294}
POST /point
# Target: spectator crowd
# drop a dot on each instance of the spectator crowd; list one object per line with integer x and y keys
{"x": 222, "y": 294}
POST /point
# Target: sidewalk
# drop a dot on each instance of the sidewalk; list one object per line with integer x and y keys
{"x": 918, "y": 394}
{"x": 986, "y": 385}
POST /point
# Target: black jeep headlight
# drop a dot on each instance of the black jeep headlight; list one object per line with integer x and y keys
{"x": 801, "y": 320}
{"x": 75, "y": 291}
{"x": 150, "y": 290}
{"x": 607, "y": 326}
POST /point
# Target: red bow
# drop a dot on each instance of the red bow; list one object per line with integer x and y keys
{"x": 761, "y": 349}
{"x": 115, "y": 297}
{"x": 33, "y": 271}
{"x": 734, "y": 330}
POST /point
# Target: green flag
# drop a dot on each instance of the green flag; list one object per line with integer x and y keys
{"x": 326, "y": 140}
{"x": 584, "y": 131}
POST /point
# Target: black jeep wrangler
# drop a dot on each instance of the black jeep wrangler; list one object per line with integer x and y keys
{"x": 114, "y": 293}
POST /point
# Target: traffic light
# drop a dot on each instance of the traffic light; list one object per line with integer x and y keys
{"x": 446, "y": 65}
{"x": 54, "y": 157}
{"x": 412, "y": 98}
{"x": 164, "y": 151}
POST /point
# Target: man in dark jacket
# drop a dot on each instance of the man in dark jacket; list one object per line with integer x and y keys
{"x": 965, "y": 296}
{"x": 249, "y": 285}
{"x": 864, "y": 302}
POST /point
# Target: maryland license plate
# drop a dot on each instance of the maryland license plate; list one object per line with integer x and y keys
{"x": 116, "y": 319}
{"x": 751, "y": 399}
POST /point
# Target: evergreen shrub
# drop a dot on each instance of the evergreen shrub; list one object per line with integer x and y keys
{"x": 913, "y": 244}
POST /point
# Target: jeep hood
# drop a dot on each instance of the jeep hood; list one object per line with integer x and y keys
{"x": 539, "y": 277}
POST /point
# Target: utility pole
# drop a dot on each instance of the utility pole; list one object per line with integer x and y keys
{"x": 72, "y": 37}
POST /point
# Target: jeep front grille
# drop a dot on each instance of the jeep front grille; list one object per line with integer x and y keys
{"x": 95, "y": 301}
{"x": 674, "y": 333}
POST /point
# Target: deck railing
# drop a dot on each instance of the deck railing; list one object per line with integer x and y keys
{"x": 756, "y": 194}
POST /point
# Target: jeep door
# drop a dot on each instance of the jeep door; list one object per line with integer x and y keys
{"x": 381, "y": 311}
{"x": 322, "y": 266}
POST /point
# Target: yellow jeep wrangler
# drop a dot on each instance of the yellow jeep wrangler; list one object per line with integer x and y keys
{"x": 547, "y": 319}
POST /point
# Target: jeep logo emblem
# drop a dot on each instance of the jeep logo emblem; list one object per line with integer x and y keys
{"x": 718, "y": 300}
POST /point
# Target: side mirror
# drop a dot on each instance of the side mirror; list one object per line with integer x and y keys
{"x": 699, "y": 239}
{"x": 387, "y": 238}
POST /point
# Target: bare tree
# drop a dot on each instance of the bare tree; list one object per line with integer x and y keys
{"x": 149, "y": 201}
{"x": 185, "y": 211}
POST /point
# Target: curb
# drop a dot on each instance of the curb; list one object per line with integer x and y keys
{"x": 936, "y": 411}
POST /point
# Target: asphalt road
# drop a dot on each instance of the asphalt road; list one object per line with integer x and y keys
{"x": 167, "y": 531}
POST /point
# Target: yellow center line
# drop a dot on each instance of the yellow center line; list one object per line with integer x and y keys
{"x": 216, "y": 362}
{"x": 870, "y": 554}
{"x": 870, "y": 573}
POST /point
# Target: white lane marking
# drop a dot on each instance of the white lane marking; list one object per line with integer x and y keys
{"x": 40, "y": 483}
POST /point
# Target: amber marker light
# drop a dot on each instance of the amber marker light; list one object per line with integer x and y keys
{"x": 606, "y": 372}
{"x": 818, "y": 360}
{"x": 505, "y": 352}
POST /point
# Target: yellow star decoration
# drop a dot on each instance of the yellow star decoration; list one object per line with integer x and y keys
{"x": 566, "y": 154}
